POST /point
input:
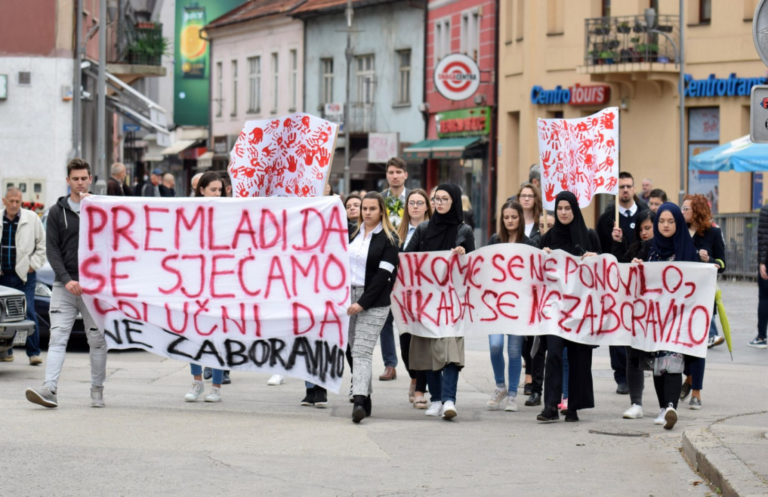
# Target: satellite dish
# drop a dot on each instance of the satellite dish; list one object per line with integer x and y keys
{"x": 760, "y": 30}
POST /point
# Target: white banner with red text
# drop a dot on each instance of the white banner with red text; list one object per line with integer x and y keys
{"x": 258, "y": 284}
{"x": 517, "y": 289}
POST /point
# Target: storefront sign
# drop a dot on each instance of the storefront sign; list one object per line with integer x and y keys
{"x": 464, "y": 122}
{"x": 593, "y": 95}
{"x": 457, "y": 77}
{"x": 720, "y": 87}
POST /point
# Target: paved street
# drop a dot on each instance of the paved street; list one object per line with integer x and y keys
{"x": 148, "y": 441}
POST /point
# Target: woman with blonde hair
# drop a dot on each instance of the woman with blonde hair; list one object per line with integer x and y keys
{"x": 373, "y": 261}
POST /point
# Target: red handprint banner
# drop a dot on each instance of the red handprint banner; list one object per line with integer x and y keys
{"x": 579, "y": 155}
{"x": 289, "y": 156}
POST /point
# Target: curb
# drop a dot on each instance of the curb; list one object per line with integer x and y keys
{"x": 709, "y": 457}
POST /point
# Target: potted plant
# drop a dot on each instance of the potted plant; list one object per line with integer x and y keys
{"x": 639, "y": 28}
{"x": 147, "y": 50}
{"x": 623, "y": 27}
{"x": 666, "y": 28}
{"x": 607, "y": 56}
{"x": 601, "y": 29}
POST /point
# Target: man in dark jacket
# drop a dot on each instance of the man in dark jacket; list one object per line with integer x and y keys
{"x": 629, "y": 208}
{"x": 762, "y": 280}
{"x": 62, "y": 237}
{"x": 116, "y": 182}
{"x": 152, "y": 187}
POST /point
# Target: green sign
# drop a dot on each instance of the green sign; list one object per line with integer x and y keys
{"x": 192, "y": 70}
{"x": 464, "y": 122}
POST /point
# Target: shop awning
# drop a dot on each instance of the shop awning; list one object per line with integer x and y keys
{"x": 444, "y": 148}
{"x": 740, "y": 155}
{"x": 177, "y": 147}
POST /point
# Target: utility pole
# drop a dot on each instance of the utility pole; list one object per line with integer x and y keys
{"x": 77, "y": 112}
{"x": 101, "y": 122}
{"x": 348, "y": 55}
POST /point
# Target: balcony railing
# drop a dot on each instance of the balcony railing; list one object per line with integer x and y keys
{"x": 627, "y": 39}
{"x": 362, "y": 117}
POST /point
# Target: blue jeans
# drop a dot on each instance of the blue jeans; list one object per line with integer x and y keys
{"x": 442, "y": 384}
{"x": 216, "y": 379}
{"x": 388, "y": 353}
{"x": 514, "y": 352}
{"x": 12, "y": 280}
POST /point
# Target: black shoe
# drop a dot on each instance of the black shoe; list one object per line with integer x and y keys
{"x": 571, "y": 416}
{"x": 533, "y": 400}
{"x": 528, "y": 389}
{"x": 685, "y": 391}
{"x": 309, "y": 399}
{"x": 321, "y": 397}
{"x": 367, "y": 406}
{"x": 358, "y": 411}
{"x": 207, "y": 373}
{"x": 622, "y": 389}
{"x": 226, "y": 380}
{"x": 548, "y": 416}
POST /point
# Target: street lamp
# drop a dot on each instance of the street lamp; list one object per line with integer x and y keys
{"x": 348, "y": 55}
{"x": 650, "y": 21}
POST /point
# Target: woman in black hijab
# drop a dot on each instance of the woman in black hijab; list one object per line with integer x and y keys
{"x": 570, "y": 234}
{"x": 442, "y": 358}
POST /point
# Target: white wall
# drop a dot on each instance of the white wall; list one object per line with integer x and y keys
{"x": 261, "y": 37}
{"x": 35, "y": 124}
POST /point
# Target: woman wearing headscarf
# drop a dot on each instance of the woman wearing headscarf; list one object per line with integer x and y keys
{"x": 671, "y": 242}
{"x": 570, "y": 234}
{"x": 442, "y": 358}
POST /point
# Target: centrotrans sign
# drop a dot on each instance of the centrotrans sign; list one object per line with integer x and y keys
{"x": 457, "y": 76}
{"x": 592, "y": 95}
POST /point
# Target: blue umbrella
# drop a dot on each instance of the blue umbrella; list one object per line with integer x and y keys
{"x": 740, "y": 155}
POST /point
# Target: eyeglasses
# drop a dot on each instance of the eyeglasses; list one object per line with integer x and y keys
{"x": 685, "y": 209}
{"x": 527, "y": 195}
{"x": 416, "y": 203}
{"x": 441, "y": 200}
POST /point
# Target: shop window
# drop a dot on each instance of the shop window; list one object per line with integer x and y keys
{"x": 703, "y": 134}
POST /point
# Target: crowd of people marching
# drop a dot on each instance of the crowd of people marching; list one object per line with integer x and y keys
{"x": 557, "y": 372}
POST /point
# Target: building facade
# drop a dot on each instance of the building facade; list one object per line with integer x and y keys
{"x": 257, "y": 69}
{"x": 570, "y": 59}
{"x": 460, "y": 82}
{"x": 386, "y": 90}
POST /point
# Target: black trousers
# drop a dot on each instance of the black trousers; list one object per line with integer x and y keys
{"x": 668, "y": 387}
{"x": 420, "y": 376}
{"x": 580, "y": 391}
{"x": 534, "y": 366}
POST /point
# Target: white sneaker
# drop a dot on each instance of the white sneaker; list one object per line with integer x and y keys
{"x": 275, "y": 379}
{"x": 670, "y": 418}
{"x": 434, "y": 409}
{"x": 498, "y": 399}
{"x": 634, "y": 412}
{"x": 511, "y": 403}
{"x": 214, "y": 395}
{"x": 659, "y": 420}
{"x": 194, "y": 394}
{"x": 449, "y": 410}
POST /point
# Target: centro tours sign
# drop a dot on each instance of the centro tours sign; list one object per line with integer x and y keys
{"x": 457, "y": 76}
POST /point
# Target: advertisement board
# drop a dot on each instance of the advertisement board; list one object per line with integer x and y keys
{"x": 192, "y": 69}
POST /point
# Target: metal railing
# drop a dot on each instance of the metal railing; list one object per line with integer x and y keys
{"x": 362, "y": 117}
{"x": 626, "y": 39}
{"x": 740, "y": 237}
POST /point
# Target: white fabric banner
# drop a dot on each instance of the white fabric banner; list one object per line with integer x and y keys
{"x": 579, "y": 155}
{"x": 516, "y": 289}
{"x": 259, "y": 284}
